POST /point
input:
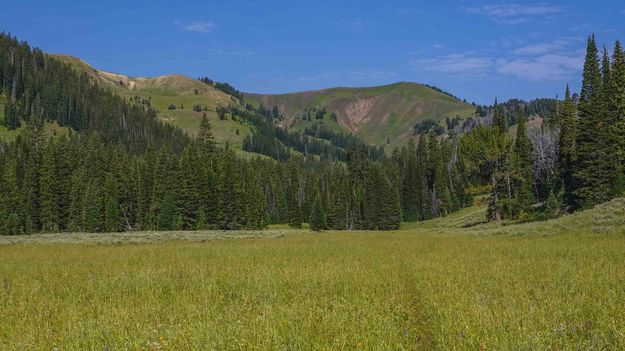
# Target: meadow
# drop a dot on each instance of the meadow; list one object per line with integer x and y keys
{"x": 550, "y": 285}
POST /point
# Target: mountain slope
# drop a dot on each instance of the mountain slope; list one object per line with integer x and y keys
{"x": 181, "y": 91}
{"x": 376, "y": 114}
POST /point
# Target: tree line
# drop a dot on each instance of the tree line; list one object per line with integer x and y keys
{"x": 80, "y": 182}
{"x": 574, "y": 161}
{"x": 121, "y": 169}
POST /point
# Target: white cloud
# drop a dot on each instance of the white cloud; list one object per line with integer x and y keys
{"x": 317, "y": 78}
{"x": 544, "y": 48}
{"x": 515, "y": 10}
{"x": 453, "y": 64}
{"x": 371, "y": 74}
{"x": 557, "y": 60}
{"x": 512, "y": 14}
{"x": 200, "y": 27}
{"x": 547, "y": 67}
{"x": 537, "y": 49}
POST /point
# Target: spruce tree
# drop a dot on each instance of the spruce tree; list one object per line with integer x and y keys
{"x": 231, "y": 206}
{"x": 382, "y": 208}
{"x": 254, "y": 202}
{"x": 410, "y": 186}
{"x": 202, "y": 222}
{"x": 189, "y": 192}
{"x": 75, "y": 212}
{"x": 566, "y": 156}
{"x": 11, "y": 213}
{"x": 169, "y": 217}
{"x": 295, "y": 215}
{"x": 421, "y": 180}
{"x": 93, "y": 208}
{"x": 31, "y": 180}
{"x": 523, "y": 150}
{"x": 113, "y": 216}
{"x": 553, "y": 206}
{"x": 317, "y": 219}
{"x": 616, "y": 109}
{"x": 205, "y": 136}
{"x": 499, "y": 118}
{"x": 593, "y": 176}
{"x": 48, "y": 189}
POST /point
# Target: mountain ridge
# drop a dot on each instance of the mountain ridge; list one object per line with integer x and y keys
{"x": 378, "y": 114}
{"x": 383, "y": 115}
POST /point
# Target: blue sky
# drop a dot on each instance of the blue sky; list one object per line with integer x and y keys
{"x": 476, "y": 50}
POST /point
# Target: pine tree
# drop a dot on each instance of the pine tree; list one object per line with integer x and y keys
{"x": 31, "y": 184}
{"x": 48, "y": 189}
{"x": 566, "y": 156}
{"x": 93, "y": 208}
{"x": 340, "y": 190}
{"x": 113, "y": 216}
{"x": 189, "y": 192}
{"x": 169, "y": 217}
{"x": 410, "y": 186}
{"x": 499, "y": 119}
{"x": 317, "y": 219}
{"x": 523, "y": 150}
{"x": 11, "y": 214}
{"x": 77, "y": 181}
{"x": 553, "y": 206}
{"x": 421, "y": 180}
{"x": 205, "y": 136}
{"x": 295, "y": 215}
{"x": 255, "y": 205}
{"x": 594, "y": 178}
{"x": 231, "y": 206}
{"x": 202, "y": 222}
{"x": 382, "y": 208}
{"x": 485, "y": 155}
{"x": 616, "y": 109}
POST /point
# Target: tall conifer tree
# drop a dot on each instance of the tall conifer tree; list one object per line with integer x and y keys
{"x": 566, "y": 156}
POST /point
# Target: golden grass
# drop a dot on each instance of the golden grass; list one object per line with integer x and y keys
{"x": 422, "y": 287}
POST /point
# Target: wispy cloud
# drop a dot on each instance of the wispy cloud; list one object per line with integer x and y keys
{"x": 549, "y": 67}
{"x": 556, "y": 60}
{"x": 544, "y": 48}
{"x": 317, "y": 78}
{"x": 512, "y": 14}
{"x": 371, "y": 74}
{"x": 199, "y": 26}
{"x": 453, "y": 64}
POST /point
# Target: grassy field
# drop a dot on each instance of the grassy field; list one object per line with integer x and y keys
{"x": 550, "y": 285}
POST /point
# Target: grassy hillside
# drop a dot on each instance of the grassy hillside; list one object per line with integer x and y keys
{"x": 375, "y": 113}
{"x": 551, "y": 285}
{"x": 179, "y": 90}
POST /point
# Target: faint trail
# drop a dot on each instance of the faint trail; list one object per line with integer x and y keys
{"x": 417, "y": 319}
